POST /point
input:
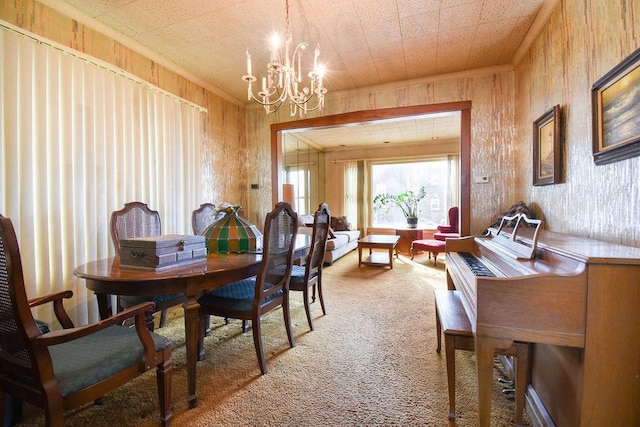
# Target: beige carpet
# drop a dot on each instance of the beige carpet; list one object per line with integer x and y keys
{"x": 370, "y": 361}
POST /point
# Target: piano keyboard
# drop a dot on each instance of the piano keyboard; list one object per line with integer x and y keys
{"x": 475, "y": 265}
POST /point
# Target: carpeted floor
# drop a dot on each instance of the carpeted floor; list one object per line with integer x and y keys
{"x": 370, "y": 361}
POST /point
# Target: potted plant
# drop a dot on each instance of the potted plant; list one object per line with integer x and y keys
{"x": 407, "y": 201}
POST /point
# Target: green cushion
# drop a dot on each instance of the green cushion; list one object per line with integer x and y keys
{"x": 297, "y": 273}
{"x": 131, "y": 301}
{"x": 88, "y": 360}
{"x": 237, "y": 296}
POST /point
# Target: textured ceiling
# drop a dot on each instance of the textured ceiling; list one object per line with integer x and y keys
{"x": 427, "y": 129}
{"x": 362, "y": 42}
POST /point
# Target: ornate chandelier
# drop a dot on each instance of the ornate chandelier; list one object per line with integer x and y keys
{"x": 284, "y": 79}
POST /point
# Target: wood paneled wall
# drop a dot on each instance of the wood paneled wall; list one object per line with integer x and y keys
{"x": 578, "y": 44}
{"x": 581, "y": 41}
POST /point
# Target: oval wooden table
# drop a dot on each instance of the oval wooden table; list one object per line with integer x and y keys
{"x": 106, "y": 277}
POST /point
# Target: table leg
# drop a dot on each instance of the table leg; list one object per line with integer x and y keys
{"x": 359, "y": 255}
{"x": 191, "y": 340}
{"x": 104, "y": 305}
{"x": 391, "y": 258}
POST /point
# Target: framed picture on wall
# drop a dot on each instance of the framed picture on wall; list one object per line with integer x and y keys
{"x": 547, "y": 149}
{"x": 615, "y": 105}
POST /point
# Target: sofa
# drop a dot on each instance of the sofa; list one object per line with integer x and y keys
{"x": 341, "y": 240}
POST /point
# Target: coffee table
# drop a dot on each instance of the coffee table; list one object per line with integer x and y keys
{"x": 378, "y": 241}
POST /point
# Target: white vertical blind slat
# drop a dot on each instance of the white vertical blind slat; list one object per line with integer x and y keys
{"x": 79, "y": 141}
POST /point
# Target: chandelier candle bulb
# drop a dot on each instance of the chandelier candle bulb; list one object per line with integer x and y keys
{"x": 315, "y": 57}
{"x": 248, "y": 62}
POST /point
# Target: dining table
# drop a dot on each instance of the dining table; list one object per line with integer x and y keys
{"x": 108, "y": 277}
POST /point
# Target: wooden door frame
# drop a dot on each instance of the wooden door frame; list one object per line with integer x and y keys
{"x": 384, "y": 114}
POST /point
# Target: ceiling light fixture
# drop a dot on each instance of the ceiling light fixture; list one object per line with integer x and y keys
{"x": 284, "y": 79}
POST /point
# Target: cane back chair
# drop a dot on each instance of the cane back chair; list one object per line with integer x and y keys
{"x": 68, "y": 368}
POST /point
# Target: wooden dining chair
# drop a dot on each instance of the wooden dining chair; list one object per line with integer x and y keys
{"x": 309, "y": 276}
{"x": 202, "y": 218}
{"x": 68, "y": 368}
{"x": 250, "y": 299}
{"x": 135, "y": 219}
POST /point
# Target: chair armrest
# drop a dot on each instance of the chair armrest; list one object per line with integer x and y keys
{"x": 446, "y": 229}
{"x": 66, "y": 335}
{"x": 58, "y": 307}
{"x": 51, "y": 297}
{"x": 139, "y": 311}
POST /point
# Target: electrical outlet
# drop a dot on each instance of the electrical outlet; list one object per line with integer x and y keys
{"x": 482, "y": 179}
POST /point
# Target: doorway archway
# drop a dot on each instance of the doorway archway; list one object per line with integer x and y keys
{"x": 383, "y": 114}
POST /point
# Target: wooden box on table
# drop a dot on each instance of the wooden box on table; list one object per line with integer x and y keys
{"x": 160, "y": 252}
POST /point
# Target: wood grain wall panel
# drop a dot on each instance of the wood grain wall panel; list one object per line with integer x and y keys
{"x": 579, "y": 44}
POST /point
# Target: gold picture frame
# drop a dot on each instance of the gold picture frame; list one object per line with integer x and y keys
{"x": 547, "y": 148}
{"x": 615, "y": 104}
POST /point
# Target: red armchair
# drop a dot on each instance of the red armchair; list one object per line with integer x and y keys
{"x": 451, "y": 230}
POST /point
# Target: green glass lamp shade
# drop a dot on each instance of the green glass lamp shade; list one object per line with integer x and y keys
{"x": 232, "y": 233}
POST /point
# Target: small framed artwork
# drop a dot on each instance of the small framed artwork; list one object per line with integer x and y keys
{"x": 547, "y": 149}
{"x": 615, "y": 105}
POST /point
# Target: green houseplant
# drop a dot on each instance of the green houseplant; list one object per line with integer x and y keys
{"x": 407, "y": 201}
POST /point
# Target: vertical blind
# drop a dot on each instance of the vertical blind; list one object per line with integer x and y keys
{"x": 79, "y": 139}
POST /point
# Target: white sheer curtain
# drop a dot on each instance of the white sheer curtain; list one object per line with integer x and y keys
{"x": 79, "y": 139}
{"x": 453, "y": 182}
{"x": 351, "y": 193}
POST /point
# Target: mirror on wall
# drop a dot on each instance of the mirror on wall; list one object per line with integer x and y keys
{"x": 302, "y": 174}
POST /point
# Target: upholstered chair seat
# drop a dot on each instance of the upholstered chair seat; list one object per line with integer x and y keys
{"x": 91, "y": 359}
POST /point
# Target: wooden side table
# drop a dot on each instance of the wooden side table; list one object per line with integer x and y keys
{"x": 407, "y": 235}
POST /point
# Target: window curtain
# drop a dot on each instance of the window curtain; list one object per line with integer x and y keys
{"x": 453, "y": 193}
{"x": 79, "y": 139}
{"x": 351, "y": 193}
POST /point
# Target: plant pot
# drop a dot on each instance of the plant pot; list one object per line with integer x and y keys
{"x": 412, "y": 222}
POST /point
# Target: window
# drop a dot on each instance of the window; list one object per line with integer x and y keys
{"x": 433, "y": 174}
{"x": 299, "y": 177}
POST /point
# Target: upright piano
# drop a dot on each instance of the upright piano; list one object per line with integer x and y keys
{"x": 577, "y": 300}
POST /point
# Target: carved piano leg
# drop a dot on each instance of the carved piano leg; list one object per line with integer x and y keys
{"x": 523, "y": 374}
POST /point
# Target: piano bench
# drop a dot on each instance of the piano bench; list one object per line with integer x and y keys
{"x": 433, "y": 246}
{"x": 452, "y": 320}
